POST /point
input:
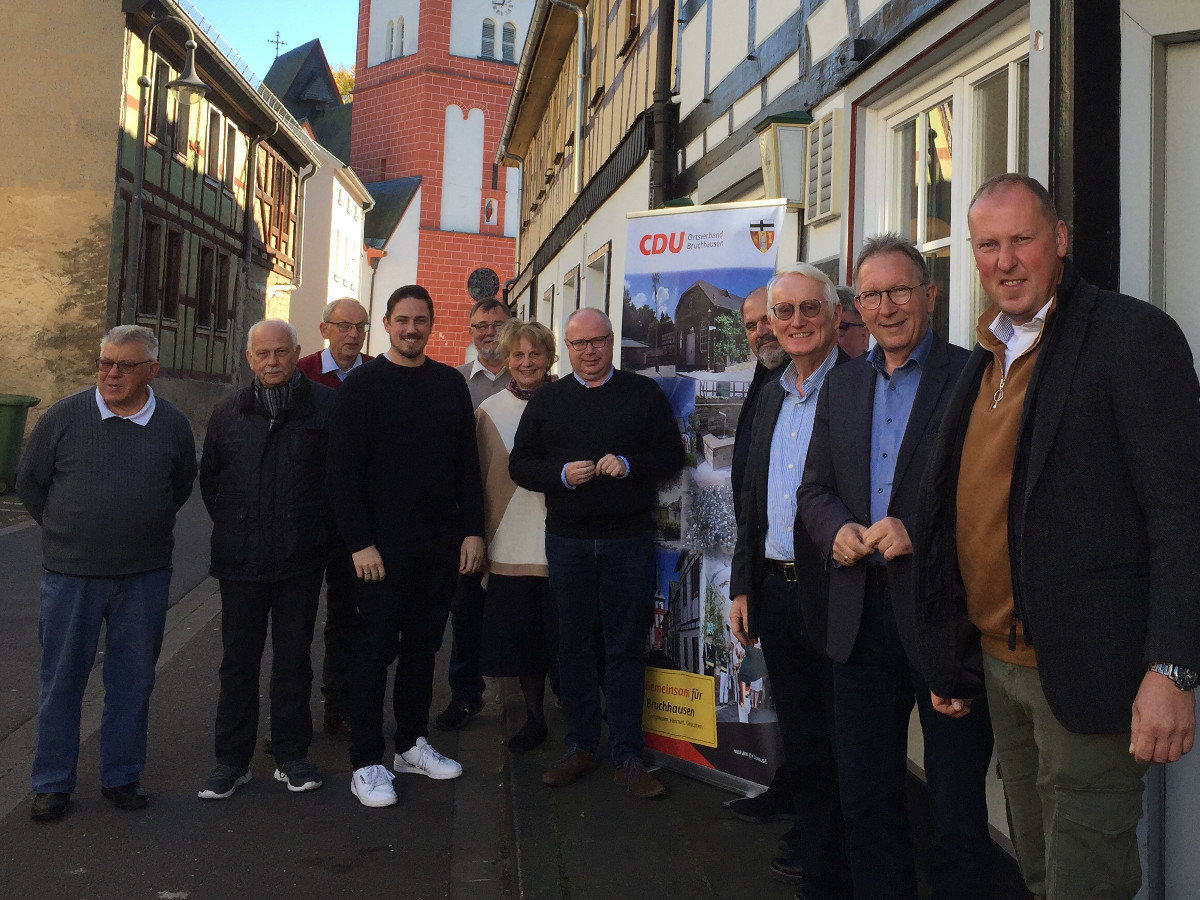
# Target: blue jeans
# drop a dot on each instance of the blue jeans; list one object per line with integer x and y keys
{"x": 72, "y": 610}
{"x": 606, "y": 585}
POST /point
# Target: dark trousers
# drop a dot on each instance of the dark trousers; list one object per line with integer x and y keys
{"x": 466, "y": 628}
{"x": 802, "y": 685}
{"x": 401, "y": 618}
{"x": 291, "y": 606}
{"x": 875, "y": 691}
{"x": 602, "y": 586}
{"x": 341, "y": 626}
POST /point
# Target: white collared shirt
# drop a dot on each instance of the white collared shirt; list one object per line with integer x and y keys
{"x": 478, "y": 367}
{"x": 329, "y": 364}
{"x": 1018, "y": 339}
{"x": 141, "y": 417}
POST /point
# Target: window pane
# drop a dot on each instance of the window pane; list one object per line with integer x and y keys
{"x": 904, "y": 155}
{"x": 939, "y": 270}
{"x": 991, "y": 127}
{"x": 939, "y": 139}
{"x": 1023, "y": 117}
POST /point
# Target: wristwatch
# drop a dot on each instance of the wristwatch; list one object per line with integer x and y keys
{"x": 1185, "y": 679}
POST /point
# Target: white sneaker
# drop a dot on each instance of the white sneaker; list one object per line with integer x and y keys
{"x": 372, "y": 785}
{"x": 422, "y": 759}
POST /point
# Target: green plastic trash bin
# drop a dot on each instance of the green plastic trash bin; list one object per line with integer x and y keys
{"x": 13, "y": 410}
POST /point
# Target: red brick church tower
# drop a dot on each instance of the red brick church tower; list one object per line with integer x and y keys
{"x": 432, "y": 83}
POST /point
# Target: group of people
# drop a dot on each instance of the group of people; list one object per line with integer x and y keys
{"x": 1000, "y": 538}
{"x": 390, "y": 481}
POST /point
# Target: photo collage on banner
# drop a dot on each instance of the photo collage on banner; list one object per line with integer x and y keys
{"x": 708, "y": 706}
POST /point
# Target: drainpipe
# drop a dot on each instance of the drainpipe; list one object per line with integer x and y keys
{"x": 660, "y": 158}
{"x": 580, "y": 78}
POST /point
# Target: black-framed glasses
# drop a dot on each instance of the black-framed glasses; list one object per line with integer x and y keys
{"x": 810, "y": 309}
{"x": 897, "y": 293}
{"x": 481, "y": 327}
{"x": 347, "y": 327}
{"x": 843, "y": 327}
{"x": 596, "y": 343}
{"x": 125, "y": 368}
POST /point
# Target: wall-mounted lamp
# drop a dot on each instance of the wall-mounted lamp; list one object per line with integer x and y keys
{"x": 188, "y": 89}
{"x": 782, "y": 143}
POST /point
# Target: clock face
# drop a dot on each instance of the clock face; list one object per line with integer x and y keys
{"x": 502, "y": 7}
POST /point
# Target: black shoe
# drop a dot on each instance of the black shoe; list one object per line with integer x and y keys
{"x": 787, "y": 869}
{"x": 222, "y": 781}
{"x": 789, "y": 842}
{"x": 531, "y": 735}
{"x": 49, "y": 807}
{"x": 454, "y": 716}
{"x": 768, "y": 806}
{"x": 127, "y": 796}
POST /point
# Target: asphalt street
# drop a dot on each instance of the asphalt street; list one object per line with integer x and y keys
{"x": 496, "y": 832}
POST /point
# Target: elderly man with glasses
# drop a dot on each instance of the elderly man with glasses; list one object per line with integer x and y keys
{"x": 875, "y": 429}
{"x": 486, "y": 376}
{"x": 104, "y": 474}
{"x": 597, "y": 444}
{"x": 344, "y": 325}
{"x": 777, "y": 583}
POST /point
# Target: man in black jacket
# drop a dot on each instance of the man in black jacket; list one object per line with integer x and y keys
{"x": 774, "y": 581}
{"x": 262, "y": 477}
{"x": 1057, "y": 533}
{"x": 876, "y": 424}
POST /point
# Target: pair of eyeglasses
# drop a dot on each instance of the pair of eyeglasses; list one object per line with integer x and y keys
{"x": 347, "y": 327}
{"x": 810, "y": 309}
{"x": 481, "y": 327}
{"x": 596, "y": 343}
{"x": 898, "y": 294}
{"x": 125, "y": 368}
{"x": 843, "y": 327}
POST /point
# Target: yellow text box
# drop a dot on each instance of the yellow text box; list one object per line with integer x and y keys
{"x": 680, "y": 705}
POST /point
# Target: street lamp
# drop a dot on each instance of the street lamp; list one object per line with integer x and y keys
{"x": 188, "y": 89}
{"x": 782, "y": 143}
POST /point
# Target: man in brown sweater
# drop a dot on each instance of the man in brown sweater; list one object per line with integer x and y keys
{"x": 1056, "y": 534}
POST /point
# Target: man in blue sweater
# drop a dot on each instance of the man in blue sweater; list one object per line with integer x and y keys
{"x": 597, "y": 444}
{"x": 104, "y": 473}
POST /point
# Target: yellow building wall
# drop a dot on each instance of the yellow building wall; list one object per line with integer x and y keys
{"x": 60, "y": 95}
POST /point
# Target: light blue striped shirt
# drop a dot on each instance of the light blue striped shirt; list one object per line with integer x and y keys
{"x": 789, "y": 449}
{"x": 894, "y": 396}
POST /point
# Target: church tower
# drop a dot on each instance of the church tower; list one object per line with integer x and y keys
{"x": 432, "y": 83}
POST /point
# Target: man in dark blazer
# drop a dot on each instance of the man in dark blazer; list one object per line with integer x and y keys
{"x": 1057, "y": 533}
{"x": 769, "y": 578}
{"x": 876, "y": 422}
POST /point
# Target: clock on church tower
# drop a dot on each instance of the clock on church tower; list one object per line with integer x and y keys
{"x": 502, "y": 7}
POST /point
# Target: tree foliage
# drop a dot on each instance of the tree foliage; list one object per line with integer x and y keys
{"x": 343, "y": 77}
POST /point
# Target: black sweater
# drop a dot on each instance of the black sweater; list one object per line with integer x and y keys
{"x": 403, "y": 465}
{"x": 627, "y": 416}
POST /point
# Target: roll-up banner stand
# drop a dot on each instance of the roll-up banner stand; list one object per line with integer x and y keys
{"x": 708, "y": 710}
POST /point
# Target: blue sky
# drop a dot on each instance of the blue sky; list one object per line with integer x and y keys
{"x": 248, "y": 27}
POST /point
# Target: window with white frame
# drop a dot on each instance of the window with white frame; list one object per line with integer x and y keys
{"x": 508, "y": 43}
{"x": 487, "y": 42}
{"x": 939, "y": 143}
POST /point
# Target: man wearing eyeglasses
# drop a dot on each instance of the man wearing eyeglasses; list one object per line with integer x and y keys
{"x": 104, "y": 473}
{"x": 875, "y": 428}
{"x": 486, "y": 375}
{"x": 597, "y": 444}
{"x": 344, "y": 325}
{"x": 777, "y": 583}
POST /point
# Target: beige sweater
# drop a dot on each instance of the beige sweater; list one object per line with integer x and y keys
{"x": 514, "y": 518}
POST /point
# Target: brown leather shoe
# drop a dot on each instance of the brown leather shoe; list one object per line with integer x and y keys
{"x": 570, "y": 768}
{"x": 633, "y": 775}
